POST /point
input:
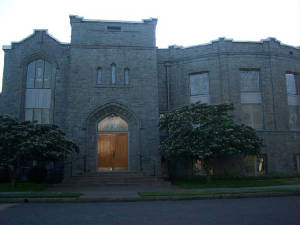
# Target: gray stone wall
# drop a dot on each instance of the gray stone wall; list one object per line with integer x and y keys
{"x": 37, "y": 46}
{"x": 158, "y": 82}
{"x": 136, "y": 102}
{"x": 223, "y": 60}
{"x": 97, "y": 32}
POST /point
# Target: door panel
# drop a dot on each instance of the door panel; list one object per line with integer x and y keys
{"x": 105, "y": 151}
{"x": 113, "y": 151}
{"x": 120, "y": 159}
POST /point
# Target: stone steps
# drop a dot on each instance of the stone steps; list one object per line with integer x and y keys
{"x": 112, "y": 179}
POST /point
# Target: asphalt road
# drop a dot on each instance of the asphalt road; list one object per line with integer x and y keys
{"x": 252, "y": 211}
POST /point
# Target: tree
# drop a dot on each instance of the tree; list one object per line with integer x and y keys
{"x": 206, "y": 132}
{"x": 25, "y": 141}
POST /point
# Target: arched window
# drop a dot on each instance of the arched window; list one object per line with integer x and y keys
{"x": 38, "y": 74}
{"x": 38, "y": 91}
{"x": 126, "y": 76}
{"x": 113, "y": 73}
{"x": 99, "y": 76}
{"x": 113, "y": 124}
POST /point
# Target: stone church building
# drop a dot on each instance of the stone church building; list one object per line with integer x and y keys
{"x": 107, "y": 88}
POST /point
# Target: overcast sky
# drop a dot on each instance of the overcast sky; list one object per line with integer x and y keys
{"x": 181, "y": 22}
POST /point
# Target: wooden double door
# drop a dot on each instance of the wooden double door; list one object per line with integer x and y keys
{"x": 113, "y": 151}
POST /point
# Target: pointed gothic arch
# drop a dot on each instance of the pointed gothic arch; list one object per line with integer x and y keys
{"x": 93, "y": 137}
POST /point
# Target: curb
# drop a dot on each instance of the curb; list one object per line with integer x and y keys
{"x": 152, "y": 198}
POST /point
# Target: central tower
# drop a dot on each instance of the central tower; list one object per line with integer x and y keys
{"x": 113, "y": 82}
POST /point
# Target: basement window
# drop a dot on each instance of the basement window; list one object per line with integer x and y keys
{"x": 256, "y": 165}
{"x": 113, "y": 28}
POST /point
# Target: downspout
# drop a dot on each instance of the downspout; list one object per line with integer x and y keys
{"x": 168, "y": 99}
{"x": 272, "y": 86}
{"x": 168, "y": 87}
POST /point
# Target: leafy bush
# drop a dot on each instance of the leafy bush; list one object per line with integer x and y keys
{"x": 37, "y": 174}
{"x": 207, "y": 133}
{"x": 4, "y": 174}
{"x": 24, "y": 141}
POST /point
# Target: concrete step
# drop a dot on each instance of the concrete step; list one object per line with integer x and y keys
{"x": 110, "y": 182}
{"x": 107, "y": 177}
{"x": 111, "y": 185}
{"x": 109, "y": 174}
{"x": 141, "y": 180}
{"x": 118, "y": 178}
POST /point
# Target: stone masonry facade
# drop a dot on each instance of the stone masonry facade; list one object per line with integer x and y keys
{"x": 159, "y": 81}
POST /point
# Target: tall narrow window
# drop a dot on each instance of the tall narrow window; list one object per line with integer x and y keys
{"x": 38, "y": 91}
{"x": 251, "y": 107}
{"x": 292, "y": 88}
{"x": 113, "y": 73}
{"x": 199, "y": 87}
{"x": 39, "y": 72}
{"x": 47, "y": 75}
{"x": 30, "y": 75}
{"x": 126, "y": 76}
{"x": 99, "y": 76}
{"x": 291, "y": 84}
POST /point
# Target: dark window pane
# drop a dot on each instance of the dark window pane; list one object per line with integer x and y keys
{"x": 47, "y": 75}
{"x": 37, "y": 115}
{"x": 99, "y": 76}
{"x": 199, "y": 84}
{"x": 291, "y": 84}
{"x": 45, "y": 116}
{"x": 29, "y": 114}
{"x": 252, "y": 115}
{"x": 114, "y": 28}
{"x": 126, "y": 76}
{"x": 113, "y": 74}
{"x": 249, "y": 81}
{"x": 30, "y": 75}
{"x": 294, "y": 116}
{"x": 39, "y": 71}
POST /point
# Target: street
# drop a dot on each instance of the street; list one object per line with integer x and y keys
{"x": 252, "y": 211}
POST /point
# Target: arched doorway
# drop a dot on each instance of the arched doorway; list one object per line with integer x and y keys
{"x": 112, "y": 144}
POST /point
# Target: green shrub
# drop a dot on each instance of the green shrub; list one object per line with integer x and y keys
{"x": 4, "y": 174}
{"x": 37, "y": 174}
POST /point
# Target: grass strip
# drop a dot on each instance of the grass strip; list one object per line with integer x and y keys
{"x": 232, "y": 183}
{"x": 201, "y": 193}
{"x": 41, "y": 195}
{"x": 22, "y": 187}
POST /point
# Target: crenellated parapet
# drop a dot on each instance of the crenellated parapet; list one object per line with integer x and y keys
{"x": 107, "y": 33}
{"x": 223, "y": 46}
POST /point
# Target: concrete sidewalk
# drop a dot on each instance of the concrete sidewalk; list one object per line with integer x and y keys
{"x": 113, "y": 191}
{"x": 130, "y": 193}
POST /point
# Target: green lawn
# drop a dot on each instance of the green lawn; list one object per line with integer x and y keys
{"x": 22, "y": 187}
{"x": 41, "y": 195}
{"x": 32, "y": 190}
{"x": 203, "y": 193}
{"x": 230, "y": 183}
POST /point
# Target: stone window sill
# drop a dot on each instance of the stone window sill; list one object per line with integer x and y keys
{"x": 113, "y": 86}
